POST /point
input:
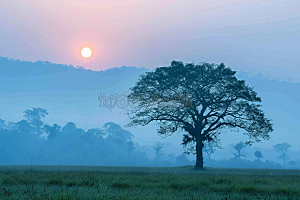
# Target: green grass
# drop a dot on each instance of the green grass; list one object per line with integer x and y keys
{"x": 83, "y": 182}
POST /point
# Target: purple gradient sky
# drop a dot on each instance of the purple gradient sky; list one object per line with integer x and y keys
{"x": 258, "y": 35}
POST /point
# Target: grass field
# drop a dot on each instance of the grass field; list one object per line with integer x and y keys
{"x": 84, "y": 182}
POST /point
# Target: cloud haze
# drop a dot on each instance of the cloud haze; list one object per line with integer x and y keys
{"x": 258, "y": 36}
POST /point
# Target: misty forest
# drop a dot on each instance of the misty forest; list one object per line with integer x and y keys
{"x": 177, "y": 98}
{"x": 202, "y": 103}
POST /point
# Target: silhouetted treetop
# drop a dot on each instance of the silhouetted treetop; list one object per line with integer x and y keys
{"x": 200, "y": 99}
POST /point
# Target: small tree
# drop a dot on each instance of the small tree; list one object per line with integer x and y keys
{"x": 258, "y": 154}
{"x": 71, "y": 134}
{"x": 239, "y": 148}
{"x": 157, "y": 147}
{"x": 171, "y": 158}
{"x": 2, "y": 124}
{"x": 11, "y": 126}
{"x": 34, "y": 117}
{"x": 24, "y": 127}
{"x": 210, "y": 148}
{"x": 282, "y": 148}
{"x": 97, "y": 132}
{"x": 69, "y": 127}
{"x": 130, "y": 147}
{"x": 182, "y": 160}
{"x": 52, "y": 130}
{"x": 116, "y": 135}
{"x": 293, "y": 163}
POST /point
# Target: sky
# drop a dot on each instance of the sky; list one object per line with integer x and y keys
{"x": 259, "y": 36}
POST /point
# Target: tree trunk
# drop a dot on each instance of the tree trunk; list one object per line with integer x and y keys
{"x": 199, "y": 154}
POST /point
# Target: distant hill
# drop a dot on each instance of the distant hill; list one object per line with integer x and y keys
{"x": 71, "y": 94}
{"x": 44, "y": 76}
{"x": 68, "y": 93}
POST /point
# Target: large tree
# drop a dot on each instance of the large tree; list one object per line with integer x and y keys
{"x": 200, "y": 99}
{"x": 34, "y": 117}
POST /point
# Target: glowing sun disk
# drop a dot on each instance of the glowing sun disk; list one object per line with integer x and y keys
{"x": 86, "y": 52}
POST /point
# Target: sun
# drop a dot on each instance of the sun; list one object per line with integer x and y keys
{"x": 86, "y": 52}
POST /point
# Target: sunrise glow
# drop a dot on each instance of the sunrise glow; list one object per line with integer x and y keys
{"x": 86, "y": 52}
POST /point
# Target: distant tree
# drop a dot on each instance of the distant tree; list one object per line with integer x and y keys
{"x": 11, "y": 126}
{"x": 71, "y": 140}
{"x": 210, "y": 148}
{"x": 157, "y": 147}
{"x": 91, "y": 143}
{"x": 97, "y": 132}
{"x": 116, "y": 135}
{"x": 7, "y": 125}
{"x": 2, "y": 124}
{"x": 69, "y": 127}
{"x": 200, "y": 99}
{"x": 71, "y": 132}
{"x": 293, "y": 163}
{"x": 239, "y": 148}
{"x": 52, "y": 130}
{"x": 130, "y": 147}
{"x": 258, "y": 154}
{"x": 34, "y": 117}
{"x": 182, "y": 160}
{"x": 171, "y": 158}
{"x": 282, "y": 148}
{"x": 24, "y": 127}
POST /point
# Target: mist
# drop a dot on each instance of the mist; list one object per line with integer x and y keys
{"x": 71, "y": 97}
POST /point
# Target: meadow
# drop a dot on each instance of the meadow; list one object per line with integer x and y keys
{"x": 91, "y": 182}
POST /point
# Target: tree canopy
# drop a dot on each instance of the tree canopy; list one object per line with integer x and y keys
{"x": 34, "y": 117}
{"x": 202, "y": 100}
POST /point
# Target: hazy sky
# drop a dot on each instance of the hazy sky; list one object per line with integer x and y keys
{"x": 258, "y": 35}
